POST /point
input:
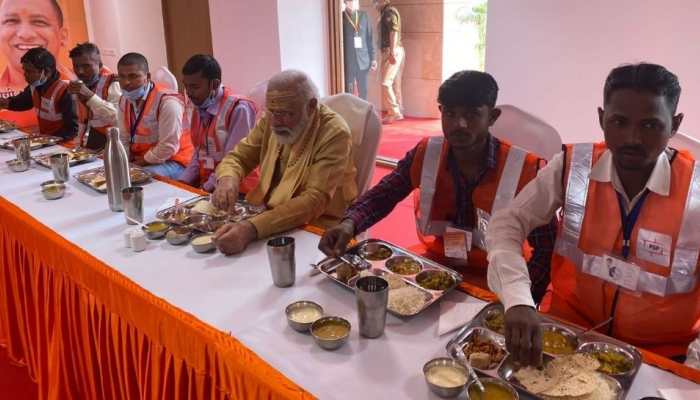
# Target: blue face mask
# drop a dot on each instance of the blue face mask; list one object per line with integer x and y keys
{"x": 208, "y": 102}
{"x": 135, "y": 94}
{"x": 38, "y": 82}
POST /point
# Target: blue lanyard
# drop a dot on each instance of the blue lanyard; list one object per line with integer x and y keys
{"x": 629, "y": 220}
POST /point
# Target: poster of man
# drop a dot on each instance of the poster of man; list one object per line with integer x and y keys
{"x": 53, "y": 24}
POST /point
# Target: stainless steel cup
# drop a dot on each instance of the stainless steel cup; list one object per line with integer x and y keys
{"x": 372, "y": 294}
{"x": 280, "y": 252}
{"x": 22, "y": 148}
{"x": 59, "y": 167}
{"x": 132, "y": 200}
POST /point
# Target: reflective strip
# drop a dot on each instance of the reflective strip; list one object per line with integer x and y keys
{"x": 50, "y": 116}
{"x": 479, "y": 231}
{"x": 428, "y": 183}
{"x": 508, "y": 183}
{"x": 146, "y": 139}
{"x": 685, "y": 257}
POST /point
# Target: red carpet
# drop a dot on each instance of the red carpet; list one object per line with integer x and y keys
{"x": 401, "y": 136}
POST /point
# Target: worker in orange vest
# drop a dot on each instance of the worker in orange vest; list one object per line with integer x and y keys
{"x": 151, "y": 120}
{"x": 47, "y": 94}
{"x": 462, "y": 179}
{"x": 218, "y": 119}
{"x": 97, "y": 94}
{"x": 627, "y": 252}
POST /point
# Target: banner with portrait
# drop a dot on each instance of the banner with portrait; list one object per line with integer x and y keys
{"x": 57, "y": 25}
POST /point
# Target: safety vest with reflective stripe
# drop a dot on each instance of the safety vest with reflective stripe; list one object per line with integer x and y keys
{"x": 209, "y": 141}
{"x": 46, "y": 105}
{"x": 146, "y": 135}
{"x": 663, "y": 314}
{"x": 435, "y": 205}
{"x": 85, "y": 116}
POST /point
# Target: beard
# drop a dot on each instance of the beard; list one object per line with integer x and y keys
{"x": 291, "y": 135}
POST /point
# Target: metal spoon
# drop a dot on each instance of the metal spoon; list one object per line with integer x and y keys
{"x": 600, "y": 325}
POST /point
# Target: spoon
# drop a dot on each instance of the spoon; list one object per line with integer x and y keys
{"x": 600, "y": 325}
{"x": 140, "y": 224}
{"x": 472, "y": 374}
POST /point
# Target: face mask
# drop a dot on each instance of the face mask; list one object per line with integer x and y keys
{"x": 38, "y": 82}
{"x": 92, "y": 81}
{"x": 135, "y": 94}
{"x": 208, "y": 102}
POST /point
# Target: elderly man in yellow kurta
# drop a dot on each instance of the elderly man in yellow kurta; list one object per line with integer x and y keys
{"x": 307, "y": 173}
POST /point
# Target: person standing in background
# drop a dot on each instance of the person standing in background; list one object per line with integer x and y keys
{"x": 358, "y": 49}
{"x": 393, "y": 59}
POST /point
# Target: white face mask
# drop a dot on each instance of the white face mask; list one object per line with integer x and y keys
{"x": 39, "y": 81}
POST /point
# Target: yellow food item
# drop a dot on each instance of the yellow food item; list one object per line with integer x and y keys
{"x": 405, "y": 266}
{"x": 496, "y": 322}
{"x": 305, "y": 315}
{"x": 331, "y": 331}
{"x": 202, "y": 240}
{"x": 492, "y": 392}
{"x": 446, "y": 376}
{"x": 556, "y": 343}
{"x": 612, "y": 363}
{"x": 435, "y": 280}
{"x": 156, "y": 227}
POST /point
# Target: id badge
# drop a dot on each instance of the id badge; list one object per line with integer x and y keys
{"x": 358, "y": 42}
{"x": 208, "y": 162}
{"x": 457, "y": 242}
{"x": 618, "y": 271}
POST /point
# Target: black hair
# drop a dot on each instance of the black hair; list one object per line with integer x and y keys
{"x": 644, "y": 76}
{"x": 205, "y": 64}
{"x": 83, "y": 49}
{"x": 134, "y": 59}
{"x": 39, "y": 58}
{"x": 468, "y": 88}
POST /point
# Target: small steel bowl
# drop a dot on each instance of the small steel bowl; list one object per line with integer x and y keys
{"x": 445, "y": 391}
{"x": 428, "y": 273}
{"x": 18, "y": 165}
{"x": 53, "y": 191}
{"x": 393, "y": 263}
{"x": 330, "y": 344}
{"x": 496, "y": 382}
{"x": 369, "y": 249}
{"x": 155, "y": 230}
{"x": 566, "y": 332}
{"x": 204, "y": 247}
{"x": 301, "y": 326}
{"x": 631, "y": 354}
{"x": 178, "y": 235}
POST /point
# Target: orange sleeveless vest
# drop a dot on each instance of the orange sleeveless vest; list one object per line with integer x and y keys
{"x": 46, "y": 105}
{"x": 434, "y": 206}
{"x": 146, "y": 134}
{"x": 85, "y": 117}
{"x": 209, "y": 140}
{"x": 663, "y": 313}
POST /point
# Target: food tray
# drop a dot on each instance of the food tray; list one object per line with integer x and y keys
{"x": 138, "y": 176}
{"x": 506, "y": 368}
{"x": 243, "y": 211}
{"x": 381, "y": 267}
{"x": 37, "y": 142}
{"x": 75, "y": 158}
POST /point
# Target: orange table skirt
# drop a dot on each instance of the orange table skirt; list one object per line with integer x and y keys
{"x": 85, "y": 331}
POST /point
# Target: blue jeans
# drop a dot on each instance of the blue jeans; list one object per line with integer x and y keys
{"x": 168, "y": 169}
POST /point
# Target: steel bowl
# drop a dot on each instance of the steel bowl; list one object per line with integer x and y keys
{"x": 428, "y": 273}
{"x": 156, "y": 230}
{"x": 570, "y": 336}
{"x": 330, "y": 344}
{"x": 445, "y": 391}
{"x": 369, "y": 249}
{"x": 394, "y": 262}
{"x": 198, "y": 222}
{"x": 178, "y": 235}
{"x": 53, "y": 190}
{"x": 494, "y": 381}
{"x": 205, "y": 247}
{"x": 18, "y": 165}
{"x": 631, "y": 354}
{"x": 301, "y": 326}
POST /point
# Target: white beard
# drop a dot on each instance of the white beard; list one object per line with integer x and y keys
{"x": 290, "y": 136}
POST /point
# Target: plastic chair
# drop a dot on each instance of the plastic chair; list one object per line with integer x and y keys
{"x": 682, "y": 141}
{"x": 366, "y": 129}
{"x": 166, "y": 78}
{"x": 527, "y": 132}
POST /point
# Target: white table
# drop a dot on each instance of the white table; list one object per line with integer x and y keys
{"x": 235, "y": 294}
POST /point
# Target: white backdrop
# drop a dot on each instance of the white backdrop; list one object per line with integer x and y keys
{"x": 551, "y": 57}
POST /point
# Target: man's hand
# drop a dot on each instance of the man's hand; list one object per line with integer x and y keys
{"x": 4, "y": 103}
{"x": 373, "y": 66}
{"x": 139, "y": 160}
{"x": 81, "y": 90}
{"x": 335, "y": 240}
{"x": 234, "y": 238}
{"x": 226, "y": 193}
{"x": 524, "y": 335}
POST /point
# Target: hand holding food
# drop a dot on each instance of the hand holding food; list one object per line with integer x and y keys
{"x": 524, "y": 335}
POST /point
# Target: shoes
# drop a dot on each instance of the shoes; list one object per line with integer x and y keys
{"x": 390, "y": 119}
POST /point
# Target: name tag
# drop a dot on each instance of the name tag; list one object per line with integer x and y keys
{"x": 46, "y": 104}
{"x": 654, "y": 247}
{"x": 208, "y": 162}
{"x": 457, "y": 242}
{"x": 358, "y": 42}
{"x": 617, "y": 271}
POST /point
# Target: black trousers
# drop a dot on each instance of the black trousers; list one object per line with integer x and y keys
{"x": 356, "y": 76}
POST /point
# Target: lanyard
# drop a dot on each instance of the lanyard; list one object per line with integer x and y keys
{"x": 206, "y": 131}
{"x": 136, "y": 121}
{"x": 460, "y": 193}
{"x": 629, "y": 220}
{"x": 356, "y": 23}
